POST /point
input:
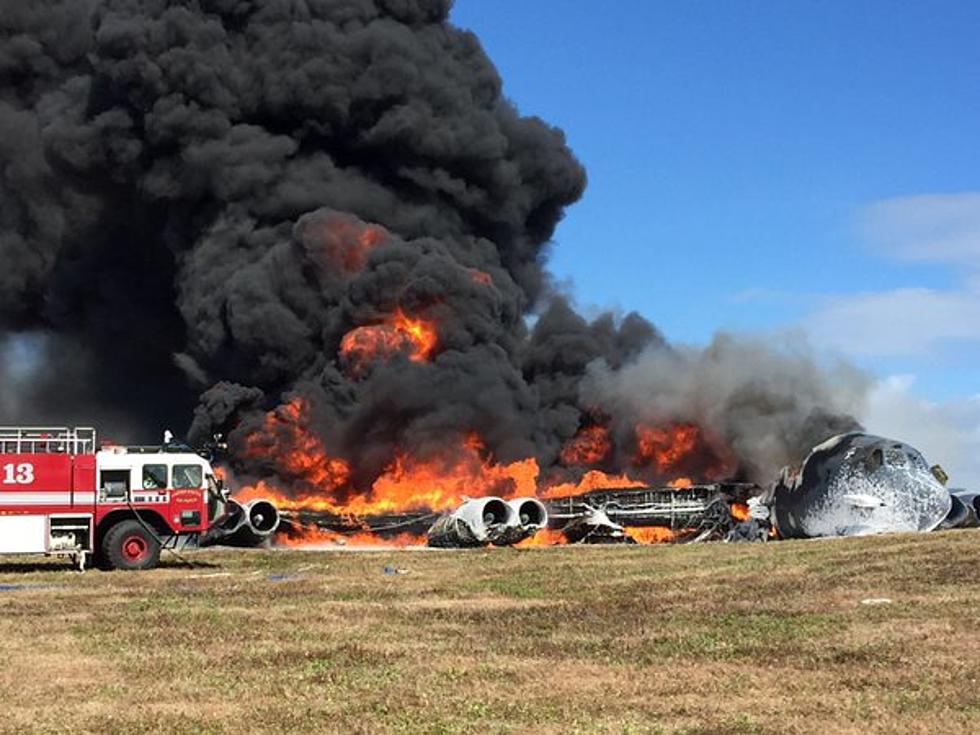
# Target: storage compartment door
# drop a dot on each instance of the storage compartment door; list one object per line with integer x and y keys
{"x": 23, "y": 534}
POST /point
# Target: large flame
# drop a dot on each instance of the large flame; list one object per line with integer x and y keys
{"x": 591, "y": 480}
{"x": 399, "y": 333}
{"x": 651, "y": 534}
{"x": 665, "y": 448}
{"x": 317, "y": 480}
{"x": 436, "y": 486}
{"x": 296, "y": 452}
{"x": 314, "y": 536}
{"x": 323, "y": 483}
{"x": 589, "y": 446}
{"x": 544, "y": 537}
{"x": 343, "y": 243}
{"x": 740, "y": 511}
{"x": 675, "y": 450}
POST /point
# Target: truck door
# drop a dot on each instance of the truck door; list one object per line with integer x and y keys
{"x": 83, "y": 483}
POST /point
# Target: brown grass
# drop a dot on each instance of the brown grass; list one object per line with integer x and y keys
{"x": 710, "y": 639}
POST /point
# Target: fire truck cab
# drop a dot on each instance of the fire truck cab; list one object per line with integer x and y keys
{"x": 63, "y": 494}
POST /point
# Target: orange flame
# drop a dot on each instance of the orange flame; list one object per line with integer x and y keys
{"x": 544, "y": 537}
{"x": 443, "y": 484}
{"x": 398, "y": 334}
{"x": 297, "y": 451}
{"x": 589, "y": 446}
{"x": 740, "y": 511}
{"x": 591, "y": 480}
{"x": 481, "y": 277}
{"x": 407, "y": 483}
{"x": 315, "y": 536}
{"x": 324, "y": 483}
{"x": 343, "y": 244}
{"x": 665, "y": 448}
{"x": 651, "y": 534}
{"x": 673, "y": 449}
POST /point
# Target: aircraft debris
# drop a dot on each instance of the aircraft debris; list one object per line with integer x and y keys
{"x": 243, "y": 524}
{"x": 483, "y": 521}
{"x": 856, "y": 484}
{"x": 595, "y": 527}
{"x": 852, "y": 484}
{"x": 757, "y": 527}
{"x": 965, "y": 512}
{"x": 695, "y": 513}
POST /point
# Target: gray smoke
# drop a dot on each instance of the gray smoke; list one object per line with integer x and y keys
{"x": 769, "y": 403}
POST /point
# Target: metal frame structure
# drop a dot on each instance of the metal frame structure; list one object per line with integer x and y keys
{"x": 698, "y": 506}
{"x": 704, "y": 511}
{"x": 47, "y": 440}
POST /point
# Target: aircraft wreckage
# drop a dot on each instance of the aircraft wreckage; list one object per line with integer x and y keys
{"x": 858, "y": 484}
{"x": 853, "y": 484}
{"x": 242, "y": 524}
{"x": 484, "y": 521}
{"x": 694, "y": 513}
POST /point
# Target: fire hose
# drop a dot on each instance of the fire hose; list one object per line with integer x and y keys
{"x": 150, "y": 530}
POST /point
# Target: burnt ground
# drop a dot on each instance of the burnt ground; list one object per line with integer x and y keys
{"x": 718, "y": 638}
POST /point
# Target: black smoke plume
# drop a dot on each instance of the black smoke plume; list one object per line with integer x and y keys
{"x": 202, "y": 200}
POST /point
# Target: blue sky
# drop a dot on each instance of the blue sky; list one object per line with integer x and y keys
{"x": 768, "y": 166}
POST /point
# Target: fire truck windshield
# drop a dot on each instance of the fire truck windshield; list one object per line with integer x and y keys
{"x": 154, "y": 476}
{"x": 188, "y": 476}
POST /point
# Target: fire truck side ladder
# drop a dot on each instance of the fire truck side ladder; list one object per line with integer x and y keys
{"x": 44, "y": 440}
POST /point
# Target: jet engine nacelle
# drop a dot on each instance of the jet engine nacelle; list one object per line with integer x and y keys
{"x": 483, "y": 521}
{"x": 244, "y": 524}
{"x": 530, "y": 516}
{"x": 965, "y": 512}
{"x": 476, "y": 522}
{"x": 530, "y": 512}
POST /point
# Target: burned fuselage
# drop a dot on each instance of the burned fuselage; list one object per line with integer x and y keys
{"x": 694, "y": 513}
{"x": 857, "y": 484}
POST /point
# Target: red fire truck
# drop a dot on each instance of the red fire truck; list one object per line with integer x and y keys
{"x": 63, "y": 494}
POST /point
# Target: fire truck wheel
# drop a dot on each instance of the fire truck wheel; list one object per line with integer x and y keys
{"x": 127, "y": 545}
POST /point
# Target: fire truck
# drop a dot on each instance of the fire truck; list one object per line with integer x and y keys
{"x": 63, "y": 494}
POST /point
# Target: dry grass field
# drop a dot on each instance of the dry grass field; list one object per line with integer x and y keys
{"x": 711, "y": 639}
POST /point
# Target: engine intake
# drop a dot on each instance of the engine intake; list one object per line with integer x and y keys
{"x": 248, "y": 524}
{"x": 476, "y": 522}
{"x": 485, "y": 521}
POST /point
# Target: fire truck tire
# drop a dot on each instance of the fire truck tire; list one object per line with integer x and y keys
{"x": 128, "y": 545}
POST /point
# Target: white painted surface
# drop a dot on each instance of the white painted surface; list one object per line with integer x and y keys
{"x": 23, "y": 534}
{"x": 45, "y": 497}
{"x": 118, "y": 458}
